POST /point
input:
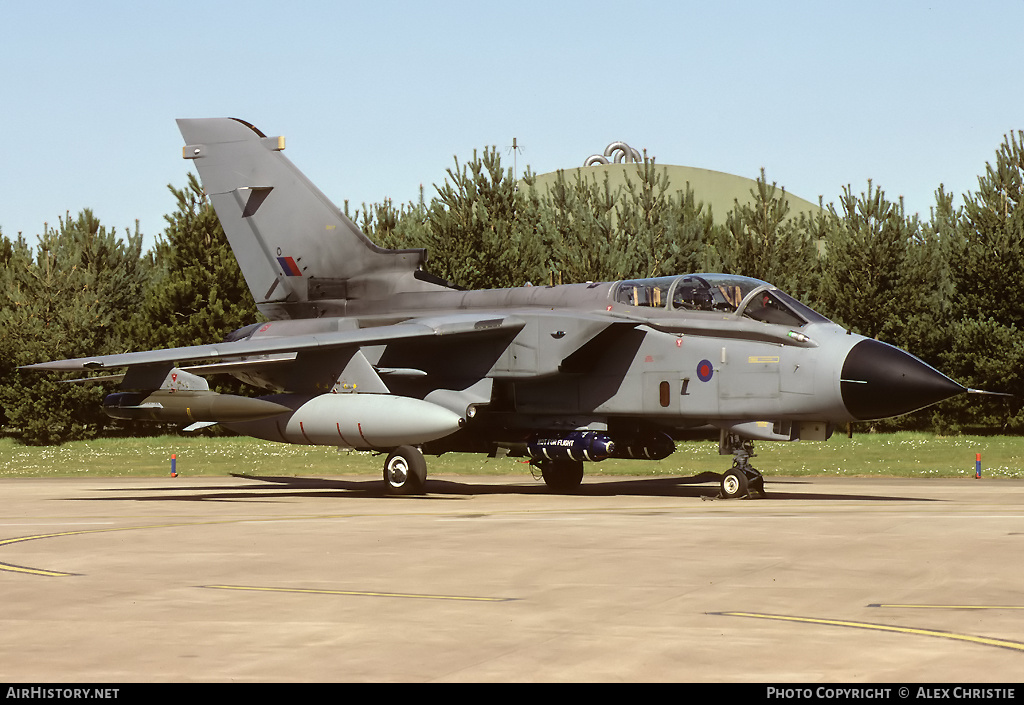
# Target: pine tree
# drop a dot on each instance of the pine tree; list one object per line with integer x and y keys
{"x": 929, "y": 309}
{"x": 197, "y": 294}
{"x": 692, "y": 234}
{"x": 986, "y": 248}
{"x": 394, "y": 228}
{"x": 73, "y": 296}
{"x": 761, "y": 240}
{"x": 866, "y": 285}
{"x": 598, "y": 233}
{"x": 642, "y": 216}
{"x": 579, "y": 221}
{"x": 481, "y": 231}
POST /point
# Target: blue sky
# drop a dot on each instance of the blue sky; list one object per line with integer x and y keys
{"x": 377, "y": 98}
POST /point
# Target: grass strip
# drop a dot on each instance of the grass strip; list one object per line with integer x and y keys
{"x": 868, "y": 455}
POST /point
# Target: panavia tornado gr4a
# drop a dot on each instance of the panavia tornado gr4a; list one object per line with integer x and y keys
{"x": 365, "y": 350}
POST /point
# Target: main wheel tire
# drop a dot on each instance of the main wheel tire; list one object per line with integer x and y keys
{"x": 734, "y": 484}
{"x": 562, "y": 475}
{"x": 405, "y": 471}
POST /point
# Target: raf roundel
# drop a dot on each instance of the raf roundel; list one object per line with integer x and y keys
{"x": 705, "y": 370}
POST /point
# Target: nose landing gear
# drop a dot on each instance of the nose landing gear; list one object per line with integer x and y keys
{"x": 742, "y": 479}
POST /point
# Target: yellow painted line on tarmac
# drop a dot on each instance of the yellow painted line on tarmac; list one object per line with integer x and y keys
{"x": 360, "y": 593}
{"x": 985, "y": 641}
{"x": 7, "y": 567}
{"x": 10, "y": 568}
{"x": 76, "y": 532}
{"x": 952, "y": 607}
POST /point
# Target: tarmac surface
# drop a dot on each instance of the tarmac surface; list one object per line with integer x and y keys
{"x": 246, "y": 579}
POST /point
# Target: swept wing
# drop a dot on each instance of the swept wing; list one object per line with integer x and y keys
{"x": 446, "y": 326}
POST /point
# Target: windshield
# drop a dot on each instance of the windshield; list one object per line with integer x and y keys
{"x": 765, "y": 305}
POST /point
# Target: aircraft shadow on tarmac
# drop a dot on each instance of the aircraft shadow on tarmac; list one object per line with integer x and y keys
{"x": 268, "y": 488}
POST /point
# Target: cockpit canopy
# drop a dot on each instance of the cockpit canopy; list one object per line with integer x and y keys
{"x": 725, "y": 293}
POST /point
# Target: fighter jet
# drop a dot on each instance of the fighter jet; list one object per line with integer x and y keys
{"x": 364, "y": 349}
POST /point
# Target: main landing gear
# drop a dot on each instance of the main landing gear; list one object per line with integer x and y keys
{"x": 561, "y": 475}
{"x": 742, "y": 479}
{"x": 405, "y": 471}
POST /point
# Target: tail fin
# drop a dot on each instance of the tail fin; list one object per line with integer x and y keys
{"x": 300, "y": 255}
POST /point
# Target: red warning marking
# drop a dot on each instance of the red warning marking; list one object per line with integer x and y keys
{"x": 341, "y": 435}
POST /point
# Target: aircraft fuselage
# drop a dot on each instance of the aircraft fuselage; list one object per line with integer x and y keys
{"x": 629, "y": 357}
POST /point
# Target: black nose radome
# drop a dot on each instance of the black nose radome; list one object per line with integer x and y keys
{"x": 879, "y": 381}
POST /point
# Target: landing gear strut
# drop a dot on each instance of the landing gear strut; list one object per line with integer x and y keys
{"x": 405, "y": 471}
{"x": 742, "y": 479}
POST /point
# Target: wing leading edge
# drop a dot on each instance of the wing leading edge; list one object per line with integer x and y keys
{"x": 446, "y": 326}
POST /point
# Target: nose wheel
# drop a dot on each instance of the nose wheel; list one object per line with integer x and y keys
{"x": 742, "y": 479}
{"x": 738, "y": 483}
